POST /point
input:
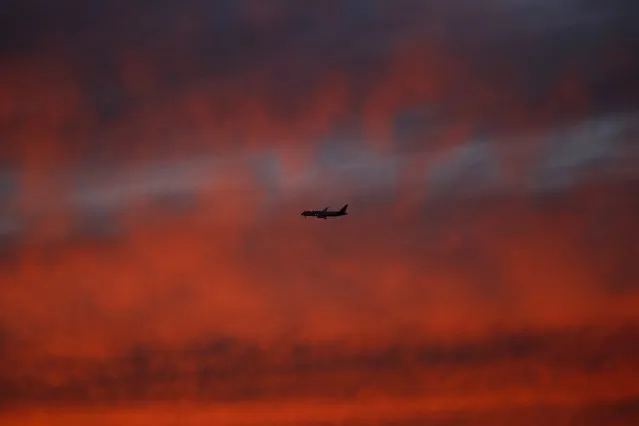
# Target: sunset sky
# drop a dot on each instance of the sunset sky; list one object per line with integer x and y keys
{"x": 155, "y": 157}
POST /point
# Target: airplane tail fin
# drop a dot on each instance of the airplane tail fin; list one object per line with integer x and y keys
{"x": 343, "y": 209}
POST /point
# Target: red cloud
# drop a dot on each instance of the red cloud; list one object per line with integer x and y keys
{"x": 405, "y": 272}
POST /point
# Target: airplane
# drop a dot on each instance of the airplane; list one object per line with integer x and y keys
{"x": 323, "y": 214}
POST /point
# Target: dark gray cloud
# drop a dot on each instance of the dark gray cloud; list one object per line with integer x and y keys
{"x": 592, "y": 414}
{"x": 230, "y": 370}
{"x": 8, "y": 185}
{"x": 523, "y": 44}
{"x": 11, "y": 224}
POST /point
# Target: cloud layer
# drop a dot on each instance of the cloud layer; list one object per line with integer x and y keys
{"x": 154, "y": 268}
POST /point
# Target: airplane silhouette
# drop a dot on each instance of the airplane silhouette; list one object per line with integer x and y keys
{"x": 323, "y": 214}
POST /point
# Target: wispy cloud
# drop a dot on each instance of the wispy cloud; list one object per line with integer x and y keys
{"x": 155, "y": 159}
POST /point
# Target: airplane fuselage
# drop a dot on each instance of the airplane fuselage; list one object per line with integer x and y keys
{"x": 323, "y": 214}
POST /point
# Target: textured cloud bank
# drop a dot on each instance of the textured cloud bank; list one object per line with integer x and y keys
{"x": 155, "y": 158}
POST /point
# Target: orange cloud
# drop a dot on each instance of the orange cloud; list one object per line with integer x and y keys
{"x": 122, "y": 301}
